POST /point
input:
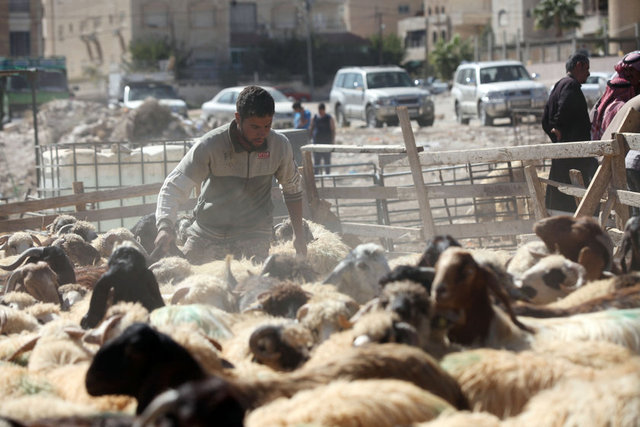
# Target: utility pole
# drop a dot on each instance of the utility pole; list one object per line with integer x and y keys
{"x": 380, "y": 30}
{"x": 309, "y": 47}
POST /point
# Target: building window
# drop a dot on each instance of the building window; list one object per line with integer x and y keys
{"x": 403, "y": 9}
{"x": 442, "y": 9}
{"x": 97, "y": 22}
{"x": 19, "y": 6}
{"x": 202, "y": 15}
{"x": 434, "y": 36}
{"x": 443, "y": 35}
{"x": 19, "y": 43}
{"x": 243, "y": 18}
{"x": 70, "y": 27}
{"x": 60, "y": 32}
{"x": 155, "y": 15}
{"x": 503, "y": 19}
{"x": 429, "y": 11}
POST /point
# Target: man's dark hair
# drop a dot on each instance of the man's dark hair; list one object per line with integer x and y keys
{"x": 255, "y": 101}
{"x": 321, "y": 106}
{"x": 296, "y": 105}
{"x": 575, "y": 59}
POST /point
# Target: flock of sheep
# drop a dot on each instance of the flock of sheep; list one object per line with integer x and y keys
{"x": 98, "y": 329}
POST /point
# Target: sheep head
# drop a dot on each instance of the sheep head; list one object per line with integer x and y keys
{"x": 434, "y": 248}
{"x": 631, "y": 243}
{"x": 38, "y": 280}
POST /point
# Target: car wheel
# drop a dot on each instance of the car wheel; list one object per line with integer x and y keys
{"x": 485, "y": 118}
{"x": 393, "y": 122}
{"x": 425, "y": 121}
{"x": 459, "y": 118}
{"x": 340, "y": 117}
{"x": 372, "y": 121}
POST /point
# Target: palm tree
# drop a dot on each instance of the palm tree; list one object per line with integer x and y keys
{"x": 446, "y": 56}
{"x": 559, "y": 14}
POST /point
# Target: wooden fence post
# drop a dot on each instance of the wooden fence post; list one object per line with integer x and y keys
{"x": 536, "y": 192}
{"x": 619, "y": 181}
{"x": 78, "y": 188}
{"x": 428, "y": 227}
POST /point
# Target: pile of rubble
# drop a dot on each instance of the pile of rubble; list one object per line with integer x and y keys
{"x": 65, "y": 121}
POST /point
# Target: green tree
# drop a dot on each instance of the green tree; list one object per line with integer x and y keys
{"x": 446, "y": 56}
{"x": 559, "y": 14}
{"x": 146, "y": 52}
{"x": 392, "y": 49}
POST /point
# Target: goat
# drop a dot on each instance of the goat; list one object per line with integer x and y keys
{"x": 130, "y": 280}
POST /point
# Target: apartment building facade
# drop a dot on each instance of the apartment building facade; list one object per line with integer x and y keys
{"x": 21, "y": 28}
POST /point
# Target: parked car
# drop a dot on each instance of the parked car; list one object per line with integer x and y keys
{"x": 222, "y": 107}
{"x": 135, "y": 94}
{"x": 293, "y": 94}
{"x": 594, "y": 87}
{"x": 493, "y": 89}
{"x": 373, "y": 93}
{"x": 433, "y": 85}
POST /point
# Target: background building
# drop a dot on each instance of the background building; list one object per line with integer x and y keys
{"x": 21, "y": 28}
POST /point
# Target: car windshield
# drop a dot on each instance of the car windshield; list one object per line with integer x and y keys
{"x": 389, "y": 79}
{"x": 158, "y": 92}
{"x": 505, "y": 73}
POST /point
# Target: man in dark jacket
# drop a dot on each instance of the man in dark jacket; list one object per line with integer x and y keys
{"x": 566, "y": 119}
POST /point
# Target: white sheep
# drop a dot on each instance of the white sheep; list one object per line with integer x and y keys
{"x": 205, "y": 289}
{"x": 526, "y": 256}
{"x": 171, "y": 270}
{"x": 551, "y": 278}
{"x": 18, "y": 242}
{"x": 14, "y": 321}
{"x": 610, "y": 397}
{"x": 105, "y": 243}
{"x": 357, "y": 403}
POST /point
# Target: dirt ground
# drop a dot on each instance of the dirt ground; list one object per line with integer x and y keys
{"x": 79, "y": 121}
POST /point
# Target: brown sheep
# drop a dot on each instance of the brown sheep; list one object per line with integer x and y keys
{"x": 581, "y": 239}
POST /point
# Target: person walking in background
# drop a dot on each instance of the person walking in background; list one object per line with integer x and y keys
{"x": 323, "y": 131}
{"x": 566, "y": 119}
{"x": 302, "y": 116}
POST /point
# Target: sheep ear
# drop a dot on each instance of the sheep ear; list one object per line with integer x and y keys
{"x": 28, "y": 346}
{"x": 492, "y": 282}
{"x": 98, "y": 335}
{"x": 302, "y": 312}
{"x": 179, "y": 294}
{"x": 36, "y": 240}
{"x": 74, "y": 332}
{"x": 3, "y": 241}
{"x": 344, "y": 322}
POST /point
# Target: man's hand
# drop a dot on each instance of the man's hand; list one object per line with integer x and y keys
{"x": 557, "y": 133}
{"x": 300, "y": 245}
{"x": 164, "y": 239}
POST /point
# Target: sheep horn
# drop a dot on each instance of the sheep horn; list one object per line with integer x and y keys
{"x": 26, "y": 254}
{"x": 3, "y": 241}
{"x": 65, "y": 229}
{"x": 228, "y": 275}
{"x": 157, "y": 407}
{"x": 12, "y": 280}
{"x": 268, "y": 264}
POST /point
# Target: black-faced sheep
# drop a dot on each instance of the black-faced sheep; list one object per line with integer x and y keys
{"x": 146, "y": 231}
{"x": 141, "y": 363}
{"x": 130, "y": 280}
{"x": 54, "y": 256}
{"x": 581, "y": 239}
{"x": 358, "y": 274}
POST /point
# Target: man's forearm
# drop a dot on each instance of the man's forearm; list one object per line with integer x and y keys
{"x": 295, "y": 214}
{"x": 174, "y": 191}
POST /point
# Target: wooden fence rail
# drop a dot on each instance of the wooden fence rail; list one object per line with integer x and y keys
{"x": 608, "y": 186}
